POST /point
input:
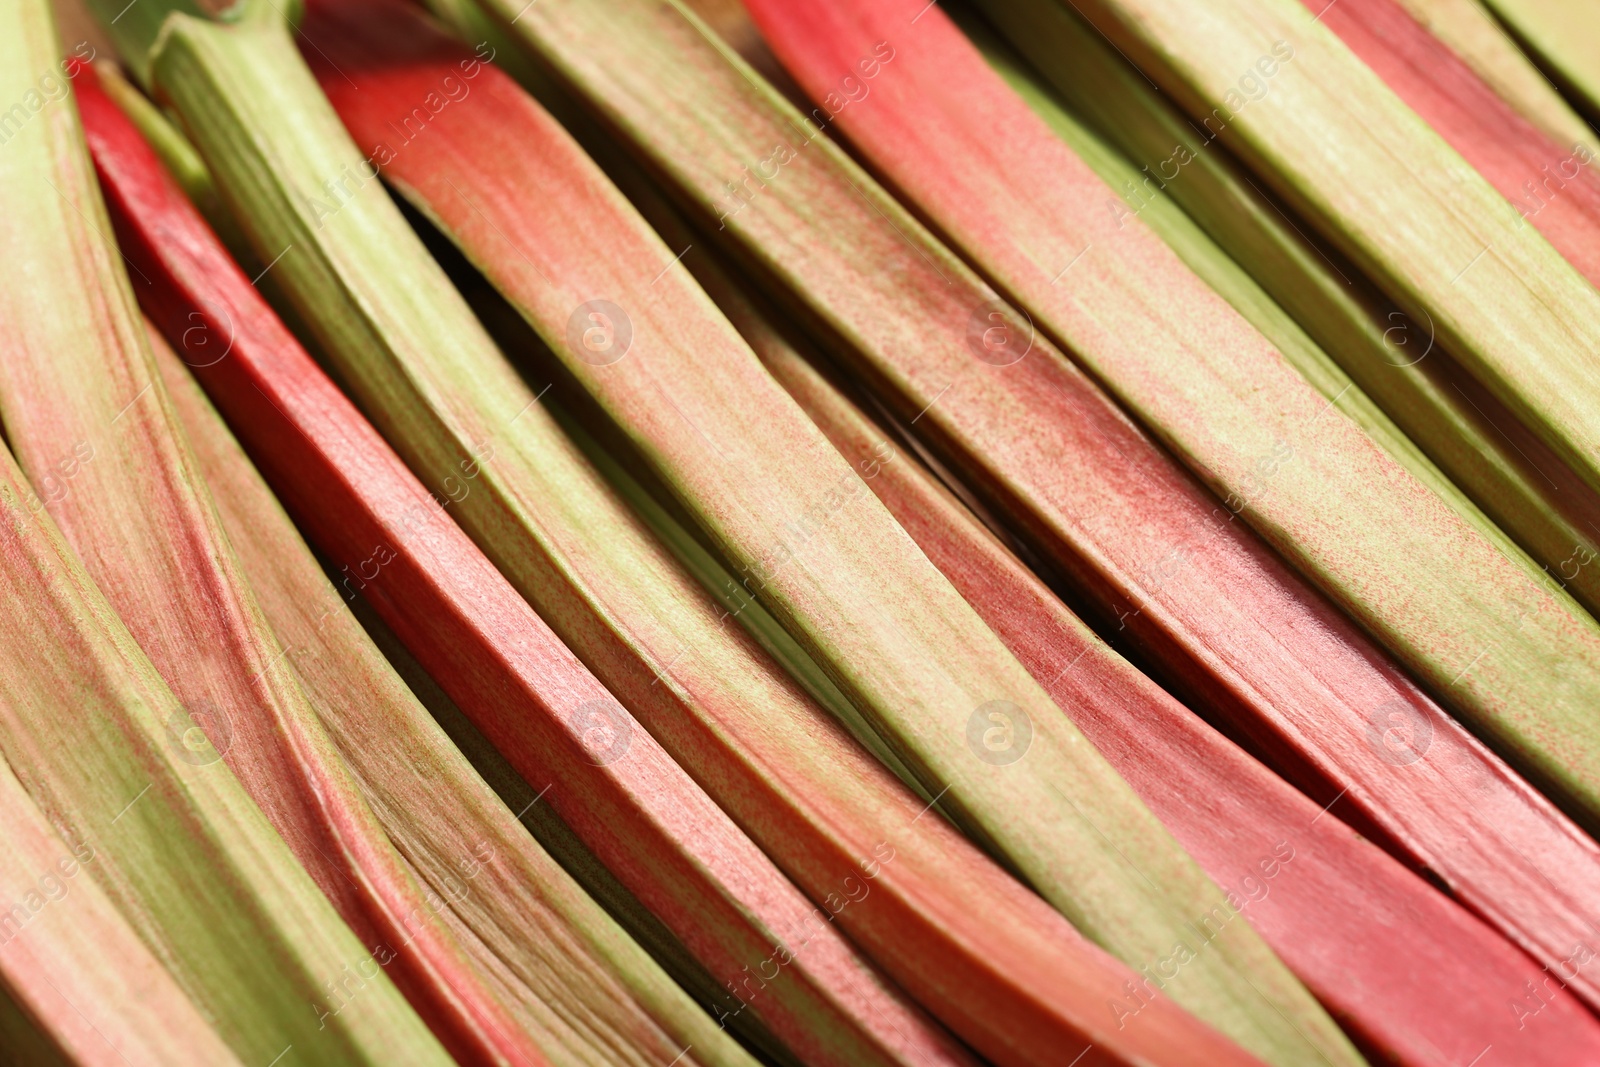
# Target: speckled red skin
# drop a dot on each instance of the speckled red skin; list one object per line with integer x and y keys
{"x": 1503, "y": 146}
{"x": 1416, "y": 978}
{"x": 1164, "y": 564}
{"x": 641, "y": 815}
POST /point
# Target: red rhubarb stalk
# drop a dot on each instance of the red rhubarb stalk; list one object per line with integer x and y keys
{"x": 565, "y": 971}
{"x": 139, "y": 513}
{"x": 1553, "y": 185}
{"x": 511, "y": 186}
{"x": 1187, "y": 363}
{"x": 1020, "y": 988}
{"x": 1150, "y": 549}
{"x": 1336, "y": 908}
{"x": 609, "y": 778}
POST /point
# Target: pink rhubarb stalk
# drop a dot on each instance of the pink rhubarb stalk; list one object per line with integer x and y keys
{"x": 1336, "y": 908}
{"x": 608, "y": 777}
{"x": 511, "y": 186}
{"x": 90, "y": 990}
{"x": 1322, "y": 491}
{"x": 139, "y": 513}
{"x": 1553, "y": 185}
{"x": 1020, "y": 987}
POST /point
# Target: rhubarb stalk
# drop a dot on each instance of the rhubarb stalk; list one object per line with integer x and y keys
{"x": 610, "y": 780}
{"x": 110, "y": 468}
{"x": 1295, "y": 869}
{"x": 1552, "y": 184}
{"x": 1472, "y": 32}
{"x": 1222, "y": 398}
{"x": 568, "y": 974}
{"x": 1328, "y": 135}
{"x": 1515, "y": 478}
{"x": 808, "y": 540}
{"x": 1565, "y": 37}
{"x": 1154, "y": 554}
{"x": 88, "y": 987}
{"x": 92, "y": 421}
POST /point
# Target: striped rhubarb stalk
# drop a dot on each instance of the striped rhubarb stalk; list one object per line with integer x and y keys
{"x": 1010, "y": 996}
{"x": 570, "y": 975}
{"x": 176, "y": 845}
{"x": 1230, "y": 281}
{"x": 1564, "y": 35}
{"x": 88, "y": 990}
{"x": 1151, "y": 550}
{"x": 180, "y": 867}
{"x": 1472, "y": 32}
{"x": 82, "y": 410}
{"x": 1019, "y": 989}
{"x": 137, "y": 510}
{"x": 823, "y": 555}
{"x": 610, "y": 779}
{"x": 1328, "y": 134}
{"x": 1552, "y": 184}
{"x": 1249, "y": 819}
{"x": 1510, "y": 473}
{"x": 1217, "y": 394}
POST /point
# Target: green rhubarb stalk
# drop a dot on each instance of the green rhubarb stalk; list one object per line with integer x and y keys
{"x": 1473, "y": 624}
{"x": 87, "y": 414}
{"x": 1235, "y": 285}
{"x": 178, "y": 847}
{"x": 1472, "y": 32}
{"x": 1330, "y": 137}
{"x": 92, "y": 992}
{"x": 803, "y": 535}
{"x": 570, "y": 976}
{"x": 1509, "y": 472}
{"x": 1564, "y": 36}
{"x": 109, "y": 467}
{"x": 1521, "y": 485}
{"x": 404, "y": 341}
